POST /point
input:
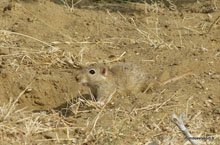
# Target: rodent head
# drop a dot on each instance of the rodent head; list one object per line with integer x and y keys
{"x": 92, "y": 75}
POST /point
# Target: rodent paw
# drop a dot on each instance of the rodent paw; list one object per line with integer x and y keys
{"x": 101, "y": 103}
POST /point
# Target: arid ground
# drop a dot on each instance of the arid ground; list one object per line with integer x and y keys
{"x": 43, "y": 42}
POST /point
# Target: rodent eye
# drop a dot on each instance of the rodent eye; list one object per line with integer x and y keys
{"x": 92, "y": 72}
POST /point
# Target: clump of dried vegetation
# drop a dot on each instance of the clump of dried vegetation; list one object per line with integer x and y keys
{"x": 134, "y": 126}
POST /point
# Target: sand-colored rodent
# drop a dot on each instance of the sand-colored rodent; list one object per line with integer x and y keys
{"x": 124, "y": 78}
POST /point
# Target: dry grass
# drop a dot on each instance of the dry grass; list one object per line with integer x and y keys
{"x": 136, "y": 127}
{"x": 140, "y": 125}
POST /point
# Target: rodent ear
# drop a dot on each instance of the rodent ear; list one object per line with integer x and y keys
{"x": 104, "y": 71}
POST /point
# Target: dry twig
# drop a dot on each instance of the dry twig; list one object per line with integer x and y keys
{"x": 183, "y": 128}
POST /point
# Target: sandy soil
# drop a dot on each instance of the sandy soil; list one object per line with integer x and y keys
{"x": 41, "y": 43}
